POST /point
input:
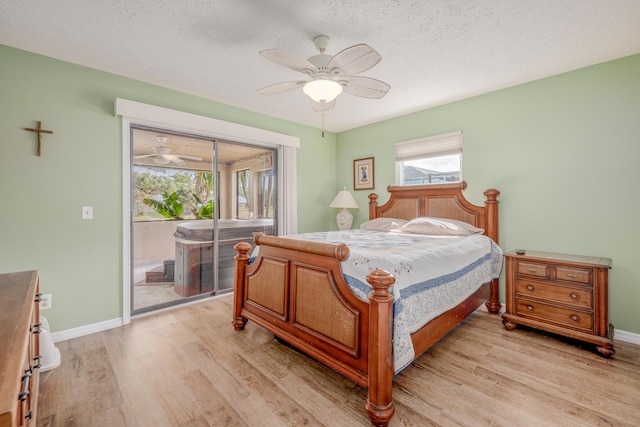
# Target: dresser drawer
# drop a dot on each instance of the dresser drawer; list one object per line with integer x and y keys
{"x": 533, "y": 269}
{"x": 572, "y": 274}
{"x": 565, "y": 317}
{"x": 575, "y": 296}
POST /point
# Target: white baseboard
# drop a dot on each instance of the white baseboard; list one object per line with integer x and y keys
{"x": 86, "y": 330}
{"x": 625, "y": 336}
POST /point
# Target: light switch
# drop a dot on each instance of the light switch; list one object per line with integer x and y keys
{"x": 87, "y": 212}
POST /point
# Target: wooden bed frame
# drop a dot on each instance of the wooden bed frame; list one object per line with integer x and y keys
{"x": 296, "y": 290}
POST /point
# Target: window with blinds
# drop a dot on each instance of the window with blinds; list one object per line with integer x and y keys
{"x": 432, "y": 160}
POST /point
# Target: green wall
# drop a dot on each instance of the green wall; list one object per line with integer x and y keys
{"x": 563, "y": 151}
{"x": 80, "y": 262}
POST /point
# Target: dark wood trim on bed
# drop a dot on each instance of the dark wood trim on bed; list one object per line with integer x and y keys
{"x": 441, "y": 201}
{"x": 296, "y": 290}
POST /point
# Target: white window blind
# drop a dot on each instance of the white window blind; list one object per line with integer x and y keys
{"x": 438, "y": 145}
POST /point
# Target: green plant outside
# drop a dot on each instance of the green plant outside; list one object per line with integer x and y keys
{"x": 170, "y": 207}
{"x": 173, "y": 194}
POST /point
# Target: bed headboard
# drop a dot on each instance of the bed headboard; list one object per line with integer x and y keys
{"x": 438, "y": 200}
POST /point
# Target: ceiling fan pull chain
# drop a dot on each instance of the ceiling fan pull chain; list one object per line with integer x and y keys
{"x": 323, "y": 124}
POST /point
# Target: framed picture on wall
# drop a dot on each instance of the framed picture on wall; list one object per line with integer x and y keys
{"x": 363, "y": 178}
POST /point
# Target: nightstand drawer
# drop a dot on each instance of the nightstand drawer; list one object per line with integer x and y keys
{"x": 572, "y": 274}
{"x": 574, "y": 296}
{"x": 564, "y": 317}
{"x": 531, "y": 269}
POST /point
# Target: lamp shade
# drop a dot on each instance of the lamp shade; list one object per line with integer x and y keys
{"x": 344, "y": 200}
{"x": 322, "y": 89}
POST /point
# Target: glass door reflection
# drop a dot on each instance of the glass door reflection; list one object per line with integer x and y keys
{"x": 194, "y": 200}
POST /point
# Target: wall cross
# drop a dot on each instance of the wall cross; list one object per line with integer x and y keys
{"x": 39, "y": 131}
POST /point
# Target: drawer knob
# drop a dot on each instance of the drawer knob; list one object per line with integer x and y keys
{"x": 574, "y": 317}
{"x": 530, "y": 308}
{"x": 531, "y": 270}
{"x": 574, "y": 296}
{"x": 530, "y": 288}
{"x": 572, "y": 275}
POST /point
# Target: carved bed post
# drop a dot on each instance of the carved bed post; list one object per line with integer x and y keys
{"x": 380, "y": 380}
{"x": 491, "y": 203}
{"x": 373, "y": 205}
{"x": 242, "y": 259}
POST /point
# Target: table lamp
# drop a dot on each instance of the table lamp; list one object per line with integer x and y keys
{"x": 344, "y": 200}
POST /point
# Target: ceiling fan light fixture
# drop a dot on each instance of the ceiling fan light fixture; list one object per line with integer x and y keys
{"x": 161, "y": 160}
{"x": 322, "y": 90}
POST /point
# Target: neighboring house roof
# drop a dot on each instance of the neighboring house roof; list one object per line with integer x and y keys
{"x": 414, "y": 173}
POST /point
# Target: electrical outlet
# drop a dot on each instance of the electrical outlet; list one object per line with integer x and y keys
{"x": 87, "y": 212}
{"x": 45, "y": 301}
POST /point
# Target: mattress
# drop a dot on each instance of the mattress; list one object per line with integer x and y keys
{"x": 433, "y": 274}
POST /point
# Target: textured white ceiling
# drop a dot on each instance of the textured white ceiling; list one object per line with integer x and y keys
{"x": 433, "y": 51}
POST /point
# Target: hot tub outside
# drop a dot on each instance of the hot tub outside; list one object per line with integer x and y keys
{"x": 194, "y": 255}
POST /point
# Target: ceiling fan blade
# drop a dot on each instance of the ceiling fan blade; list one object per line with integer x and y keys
{"x": 353, "y": 60}
{"x": 287, "y": 60}
{"x": 281, "y": 87}
{"x": 319, "y": 107}
{"x": 365, "y": 87}
{"x": 144, "y": 155}
{"x": 185, "y": 157}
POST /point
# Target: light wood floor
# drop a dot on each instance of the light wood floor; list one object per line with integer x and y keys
{"x": 188, "y": 367}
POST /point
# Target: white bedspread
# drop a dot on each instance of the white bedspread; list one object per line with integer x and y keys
{"x": 433, "y": 274}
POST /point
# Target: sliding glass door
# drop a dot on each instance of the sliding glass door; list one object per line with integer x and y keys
{"x": 193, "y": 199}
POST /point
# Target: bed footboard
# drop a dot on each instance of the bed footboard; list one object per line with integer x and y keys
{"x": 296, "y": 290}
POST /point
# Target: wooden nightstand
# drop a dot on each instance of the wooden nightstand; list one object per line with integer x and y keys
{"x": 562, "y": 294}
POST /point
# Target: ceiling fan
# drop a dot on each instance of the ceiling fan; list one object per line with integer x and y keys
{"x": 162, "y": 155}
{"x": 329, "y": 75}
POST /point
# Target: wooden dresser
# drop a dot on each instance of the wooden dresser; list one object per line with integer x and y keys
{"x": 19, "y": 348}
{"x": 562, "y": 294}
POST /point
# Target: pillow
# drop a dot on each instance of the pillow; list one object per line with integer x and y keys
{"x": 440, "y": 227}
{"x": 383, "y": 224}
